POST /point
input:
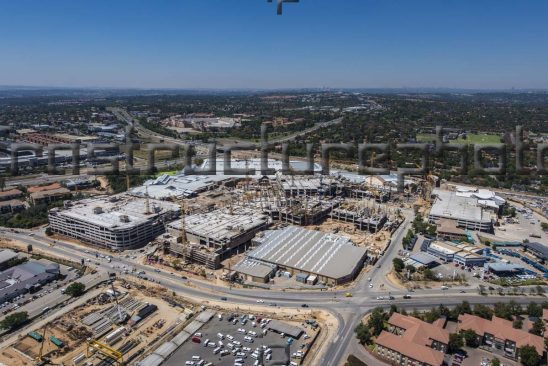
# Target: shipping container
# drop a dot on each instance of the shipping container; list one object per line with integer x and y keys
{"x": 56, "y": 341}
{"x": 37, "y": 337}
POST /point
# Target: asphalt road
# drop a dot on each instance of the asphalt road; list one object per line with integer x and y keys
{"x": 347, "y": 310}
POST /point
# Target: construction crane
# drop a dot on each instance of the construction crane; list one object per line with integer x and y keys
{"x": 105, "y": 350}
{"x": 182, "y": 237}
{"x": 41, "y": 360}
{"x": 118, "y": 309}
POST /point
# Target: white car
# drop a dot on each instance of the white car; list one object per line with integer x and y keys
{"x": 370, "y": 285}
{"x": 260, "y": 301}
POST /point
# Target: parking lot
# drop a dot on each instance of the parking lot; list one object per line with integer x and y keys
{"x": 68, "y": 275}
{"x": 227, "y": 344}
{"x": 478, "y": 357}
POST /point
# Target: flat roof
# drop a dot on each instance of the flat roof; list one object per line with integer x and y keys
{"x": 113, "y": 209}
{"x": 7, "y": 255}
{"x": 179, "y": 185}
{"x": 221, "y": 224}
{"x": 254, "y": 268}
{"x": 309, "y": 251}
{"x": 423, "y": 258}
{"x": 280, "y": 327}
{"x": 539, "y": 248}
{"x": 451, "y": 206}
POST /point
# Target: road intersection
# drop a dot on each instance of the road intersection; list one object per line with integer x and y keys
{"x": 347, "y": 310}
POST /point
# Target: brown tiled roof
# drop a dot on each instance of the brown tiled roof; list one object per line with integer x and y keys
{"x": 417, "y": 352}
{"x": 49, "y": 187}
{"x": 545, "y": 315}
{"x": 15, "y": 203}
{"x": 50, "y": 193}
{"x": 419, "y": 332}
{"x": 10, "y": 193}
{"x": 501, "y": 329}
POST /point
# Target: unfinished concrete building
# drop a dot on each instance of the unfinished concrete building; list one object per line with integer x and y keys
{"x": 364, "y": 219}
{"x": 118, "y": 222}
{"x": 212, "y": 237}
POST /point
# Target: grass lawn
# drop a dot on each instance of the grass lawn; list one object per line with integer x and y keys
{"x": 482, "y": 138}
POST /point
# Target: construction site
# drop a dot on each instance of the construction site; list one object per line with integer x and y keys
{"x": 217, "y": 227}
{"x": 116, "y": 327}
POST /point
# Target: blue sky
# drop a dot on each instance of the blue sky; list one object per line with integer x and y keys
{"x": 244, "y": 44}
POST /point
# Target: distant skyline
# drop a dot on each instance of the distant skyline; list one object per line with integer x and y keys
{"x": 243, "y": 44}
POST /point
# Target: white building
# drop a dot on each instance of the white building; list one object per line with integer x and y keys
{"x": 117, "y": 222}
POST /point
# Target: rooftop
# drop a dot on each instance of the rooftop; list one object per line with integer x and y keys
{"x": 452, "y": 206}
{"x": 416, "y": 340}
{"x": 539, "y": 248}
{"x": 311, "y": 251}
{"x": 116, "y": 212}
{"x": 254, "y": 268}
{"x": 7, "y": 255}
{"x": 221, "y": 225}
{"x": 501, "y": 329}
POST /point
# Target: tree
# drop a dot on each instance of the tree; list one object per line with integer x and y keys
{"x": 376, "y": 321}
{"x": 470, "y": 338}
{"x": 429, "y": 274}
{"x": 363, "y": 333}
{"x": 495, "y": 362}
{"x": 483, "y": 311}
{"x": 455, "y": 342}
{"x": 432, "y": 315}
{"x": 517, "y": 324}
{"x": 75, "y": 289}
{"x": 14, "y": 320}
{"x": 2, "y": 183}
{"x": 534, "y": 309}
{"x": 538, "y": 327}
{"x": 49, "y": 231}
{"x": 398, "y": 264}
{"x": 529, "y": 356}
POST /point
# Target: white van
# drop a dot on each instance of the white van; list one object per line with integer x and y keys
{"x": 220, "y": 335}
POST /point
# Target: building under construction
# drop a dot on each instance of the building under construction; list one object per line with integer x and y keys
{"x": 302, "y": 211}
{"x": 362, "y": 219}
{"x": 211, "y": 237}
{"x": 118, "y": 222}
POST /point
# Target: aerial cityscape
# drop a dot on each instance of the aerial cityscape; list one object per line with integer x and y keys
{"x": 267, "y": 183}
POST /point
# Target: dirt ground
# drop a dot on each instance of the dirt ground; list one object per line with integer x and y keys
{"x": 73, "y": 333}
{"x": 375, "y": 242}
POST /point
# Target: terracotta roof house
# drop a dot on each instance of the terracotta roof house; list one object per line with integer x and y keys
{"x": 499, "y": 335}
{"x": 10, "y": 194}
{"x": 410, "y": 341}
{"x": 48, "y": 187}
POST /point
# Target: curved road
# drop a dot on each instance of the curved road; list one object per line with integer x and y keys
{"x": 347, "y": 310}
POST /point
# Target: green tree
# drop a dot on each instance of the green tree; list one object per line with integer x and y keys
{"x": 529, "y": 356}
{"x": 538, "y": 327}
{"x": 429, "y": 274}
{"x": 470, "y": 338}
{"x": 75, "y": 289}
{"x": 483, "y": 311}
{"x": 363, "y": 333}
{"x": 376, "y": 321}
{"x": 495, "y": 362}
{"x": 49, "y": 231}
{"x": 398, "y": 264}
{"x": 534, "y": 309}
{"x": 517, "y": 324}
{"x": 455, "y": 342}
{"x": 14, "y": 320}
